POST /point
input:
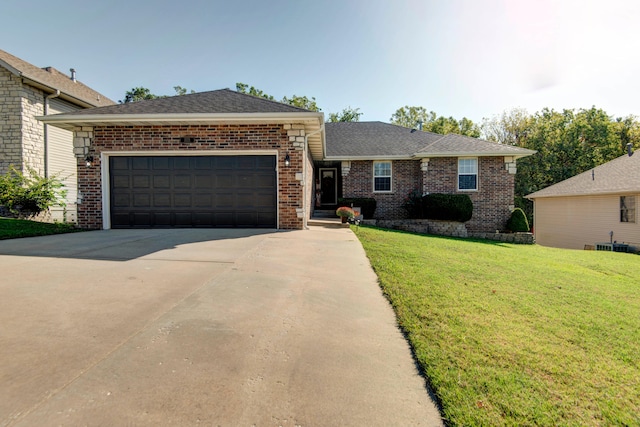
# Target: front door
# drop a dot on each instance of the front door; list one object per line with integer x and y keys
{"x": 328, "y": 186}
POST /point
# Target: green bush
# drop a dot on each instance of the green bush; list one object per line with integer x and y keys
{"x": 518, "y": 221}
{"x": 27, "y": 196}
{"x": 367, "y": 204}
{"x": 412, "y": 205}
{"x": 447, "y": 207}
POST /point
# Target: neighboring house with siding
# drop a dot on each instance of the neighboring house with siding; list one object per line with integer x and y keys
{"x": 227, "y": 159}
{"x": 27, "y": 91}
{"x": 583, "y": 210}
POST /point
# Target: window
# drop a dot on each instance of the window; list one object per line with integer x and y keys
{"x": 382, "y": 176}
{"x": 467, "y": 174}
{"x": 627, "y": 209}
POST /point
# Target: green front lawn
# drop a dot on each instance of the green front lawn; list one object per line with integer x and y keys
{"x": 14, "y": 228}
{"x": 511, "y": 335}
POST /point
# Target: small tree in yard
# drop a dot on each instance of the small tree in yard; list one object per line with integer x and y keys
{"x": 26, "y": 196}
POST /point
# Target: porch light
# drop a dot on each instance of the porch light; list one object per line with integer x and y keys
{"x": 287, "y": 160}
{"x": 88, "y": 161}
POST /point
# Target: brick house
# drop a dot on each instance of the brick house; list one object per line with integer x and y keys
{"x": 387, "y": 162}
{"x": 209, "y": 159}
{"x": 27, "y": 91}
{"x": 226, "y": 159}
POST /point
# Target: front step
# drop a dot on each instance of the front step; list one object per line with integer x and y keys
{"x": 325, "y": 213}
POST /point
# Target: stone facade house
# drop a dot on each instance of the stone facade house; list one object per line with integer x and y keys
{"x": 226, "y": 159}
{"x": 388, "y": 162}
{"x": 27, "y": 91}
{"x": 597, "y": 206}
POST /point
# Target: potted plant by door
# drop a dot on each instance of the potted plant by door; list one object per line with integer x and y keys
{"x": 345, "y": 212}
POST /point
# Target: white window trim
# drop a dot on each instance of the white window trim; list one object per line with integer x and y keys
{"x": 466, "y": 190}
{"x": 373, "y": 181}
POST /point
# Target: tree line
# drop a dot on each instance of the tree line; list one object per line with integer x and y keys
{"x": 568, "y": 142}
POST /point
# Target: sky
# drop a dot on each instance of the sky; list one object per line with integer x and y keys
{"x": 460, "y": 58}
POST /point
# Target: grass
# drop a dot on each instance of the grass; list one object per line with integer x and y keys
{"x": 514, "y": 335}
{"x": 15, "y": 228}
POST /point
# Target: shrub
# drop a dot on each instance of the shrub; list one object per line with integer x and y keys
{"x": 518, "y": 221}
{"x": 345, "y": 212}
{"x": 412, "y": 205}
{"x": 447, "y": 207}
{"x": 367, "y": 204}
{"x": 27, "y": 196}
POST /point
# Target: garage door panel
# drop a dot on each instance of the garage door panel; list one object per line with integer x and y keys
{"x": 193, "y": 191}
{"x": 142, "y": 200}
{"x": 140, "y": 163}
{"x": 161, "y": 181}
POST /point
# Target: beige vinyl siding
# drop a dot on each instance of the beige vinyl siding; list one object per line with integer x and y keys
{"x": 573, "y": 222}
{"x": 62, "y": 162}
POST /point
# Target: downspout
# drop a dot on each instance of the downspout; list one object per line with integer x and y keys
{"x": 304, "y": 175}
{"x": 46, "y": 133}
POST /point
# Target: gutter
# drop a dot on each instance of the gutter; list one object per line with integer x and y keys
{"x": 304, "y": 174}
{"x": 46, "y": 133}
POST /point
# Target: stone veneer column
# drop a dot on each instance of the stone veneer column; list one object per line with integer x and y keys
{"x": 296, "y": 134}
{"x": 10, "y": 121}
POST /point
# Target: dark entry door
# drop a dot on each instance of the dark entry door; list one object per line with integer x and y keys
{"x": 328, "y": 186}
{"x": 193, "y": 191}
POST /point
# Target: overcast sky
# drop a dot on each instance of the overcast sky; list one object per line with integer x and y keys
{"x": 473, "y": 58}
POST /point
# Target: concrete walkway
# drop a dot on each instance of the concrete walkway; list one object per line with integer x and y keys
{"x": 201, "y": 327}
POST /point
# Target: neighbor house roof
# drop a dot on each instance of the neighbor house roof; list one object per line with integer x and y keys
{"x": 49, "y": 79}
{"x": 218, "y": 106}
{"x": 378, "y": 140}
{"x": 618, "y": 176}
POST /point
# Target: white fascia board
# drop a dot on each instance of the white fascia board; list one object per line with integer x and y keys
{"x": 182, "y": 117}
{"x": 11, "y": 69}
{"x": 475, "y": 154}
{"x": 381, "y": 157}
{"x": 533, "y": 196}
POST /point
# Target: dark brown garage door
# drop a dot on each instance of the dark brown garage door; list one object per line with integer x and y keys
{"x": 193, "y": 191}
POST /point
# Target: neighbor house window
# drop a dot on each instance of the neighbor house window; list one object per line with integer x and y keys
{"x": 627, "y": 208}
{"x": 382, "y": 176}
{"x": 467, "y": 174}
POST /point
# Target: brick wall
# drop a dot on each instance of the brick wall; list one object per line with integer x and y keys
{"x": 405, "y": 177}
{"x": 205, "y": 137}
{"x": 10, "y": 121}
{"x": 492, "y": 201}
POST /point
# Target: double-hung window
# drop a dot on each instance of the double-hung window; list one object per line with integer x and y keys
{"x": 468, "y": 174}
{"x": 627, "y": 209}
{"x": 382, "y": 177}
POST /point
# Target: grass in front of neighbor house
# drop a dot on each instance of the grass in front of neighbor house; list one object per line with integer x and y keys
{"x": 11, "y": 228}
{"x": 516, "y": 335}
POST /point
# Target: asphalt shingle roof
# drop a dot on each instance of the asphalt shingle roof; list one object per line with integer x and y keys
{"x": 362, "y": 139}
{"x": 621, "y": 175}
{"x": 223, "y": 101}
{"x": 378, "y": 139}
{"x": 54, "y": 79}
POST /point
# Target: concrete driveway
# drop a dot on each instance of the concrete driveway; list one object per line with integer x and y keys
{"x": 201, "y": 327}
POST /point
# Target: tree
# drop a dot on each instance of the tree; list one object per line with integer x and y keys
{"x": 137, "y": 94}
{"x": 346, "y": 115}
{"x": 429, "y": 121}
{"x": 302, "y": 102}
{"x": 508, "y": 128}
{"x": 250, "y": 90}
{"x": 181, "y": 90}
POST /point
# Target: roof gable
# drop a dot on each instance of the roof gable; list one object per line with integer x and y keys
{"x": 621, "y": 175}
{"x": 74, "y": 91}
